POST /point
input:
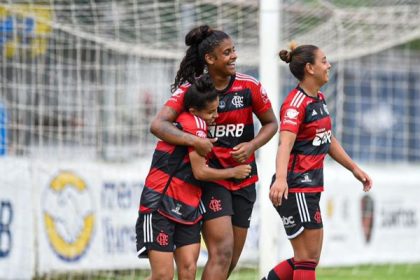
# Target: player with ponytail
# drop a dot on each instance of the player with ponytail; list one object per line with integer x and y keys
{"x": 228, "y": 203}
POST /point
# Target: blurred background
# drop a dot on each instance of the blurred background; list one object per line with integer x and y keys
{"x": 80, "y": 81}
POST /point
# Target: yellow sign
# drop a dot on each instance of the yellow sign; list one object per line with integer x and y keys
{"x": 68, "y": 216}
{"x": 24, "y": 29}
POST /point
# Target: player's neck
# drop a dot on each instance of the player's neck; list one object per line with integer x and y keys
{"x": 220, "y": 82}
{"x": 310, "y": 89}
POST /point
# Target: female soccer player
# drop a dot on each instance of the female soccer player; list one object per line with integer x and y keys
{"x": 168, "y": 223}
{"x": 305, "y": 138}
{"x": 228, "y": 203}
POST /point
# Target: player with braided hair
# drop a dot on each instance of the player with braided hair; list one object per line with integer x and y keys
{"x": 228, "y": 203}
{"x": 168, "y": 225}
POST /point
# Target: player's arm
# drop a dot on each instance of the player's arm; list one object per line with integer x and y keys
{"x": 163, "y": 128}
{"x": 269, "y": 127}
{"x": 280, "y": 189}
{"x": 338, "y": 153}
{"x": 203, "y": 172}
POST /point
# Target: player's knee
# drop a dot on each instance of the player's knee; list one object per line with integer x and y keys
{"x": 223, "y": 254}
{"x": 308, "y": 258}
{"x": 162, "y": 274}
{"x": 187, "y": 270}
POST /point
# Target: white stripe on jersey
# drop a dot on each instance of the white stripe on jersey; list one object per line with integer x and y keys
{"x": 200, "y": 123}
{"x": 244, "y": 77}
{"x": 295, "y": 98}
{"x": 299, "y": 102}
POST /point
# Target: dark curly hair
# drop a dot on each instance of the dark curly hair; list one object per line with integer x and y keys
{"x": 200, "y": 41}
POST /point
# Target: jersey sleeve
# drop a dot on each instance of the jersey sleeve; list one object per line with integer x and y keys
{"x": 260, "y": 101}
{"x": 292, "y": 115}
{"x": 193, "y": 125}
{"x": 176, "y": 101}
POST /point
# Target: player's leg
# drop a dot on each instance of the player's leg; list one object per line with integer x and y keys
{"x": 186, "y": 261}
{"x": 307, "y": 245}
{"x": 187, "y": 243}
{"x": 162, "y": 265}
{"x": 218, "y": 236}
{"x": 217, "y": 231}
{"x": 307, "y": 251}
{"x": 242, "y": 202}
{"x": 303, "y": 225}
{"x": 154, "y": 234}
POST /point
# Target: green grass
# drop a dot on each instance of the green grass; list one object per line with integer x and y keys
{"x": 365, "y": 272}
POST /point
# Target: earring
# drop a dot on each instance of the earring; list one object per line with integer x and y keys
{"x": 205, "y": 69}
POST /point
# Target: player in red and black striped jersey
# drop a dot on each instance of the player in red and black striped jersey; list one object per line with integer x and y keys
{"x": 228, "y": 203}
{"x": 305, "y": 140}
{"x": 170, "y": 202}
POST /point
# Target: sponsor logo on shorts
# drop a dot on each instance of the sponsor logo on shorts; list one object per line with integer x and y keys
{"x": 317, "y": 217}
{"x": 288, "y": 222}
{"x": 215, "y": 205}
{"x": 162, "y": 239}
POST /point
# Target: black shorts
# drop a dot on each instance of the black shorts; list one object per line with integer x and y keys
{"x": 219, "y": 202}
{"x": 300, "y": 211}
{"x": 156, "y": 232}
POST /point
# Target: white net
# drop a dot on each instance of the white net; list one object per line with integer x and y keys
{"x": 89, "y": 75}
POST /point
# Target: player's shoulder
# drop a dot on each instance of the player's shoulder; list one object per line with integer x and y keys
{"x": 295, "y": 98}
{"x": 190, "y": 121}
{"x": 245, "y": 78}
{"x": 180, "y": 91}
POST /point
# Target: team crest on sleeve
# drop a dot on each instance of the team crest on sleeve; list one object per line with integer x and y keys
{"x": 201, "y": 134}
{"x": 177, "y": 92}
{"x": 264, "y": 95}
{"x": 292, "y": 113}
{"x": 290, "y": 116}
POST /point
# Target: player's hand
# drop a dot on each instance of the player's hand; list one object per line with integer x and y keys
{"x": 241, "y": 171}
{"x": 242, "y": 151}
{"x": 278, "y": 190}
{"x": 203, "y": 146}
{"x": 364, "y": 178}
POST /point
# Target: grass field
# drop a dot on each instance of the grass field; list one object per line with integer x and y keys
{"x": 366, "y": 272}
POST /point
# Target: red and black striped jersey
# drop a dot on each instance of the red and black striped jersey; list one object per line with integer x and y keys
{"x": 242, "y": 97}
{"x": 181, "y": 201}
{"x": 309, "y": 119}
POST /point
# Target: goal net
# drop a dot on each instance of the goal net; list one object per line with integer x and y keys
{"x": 82, "y": 79}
